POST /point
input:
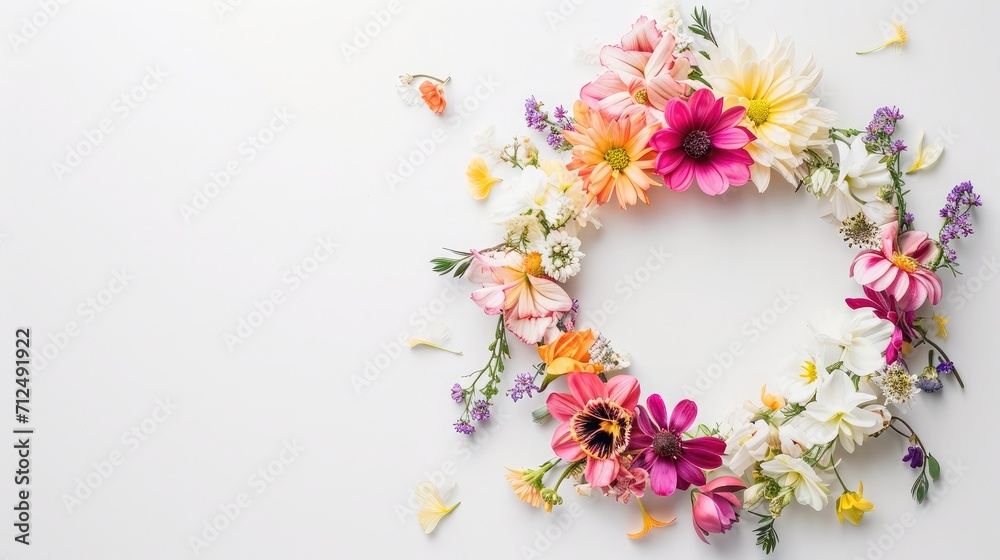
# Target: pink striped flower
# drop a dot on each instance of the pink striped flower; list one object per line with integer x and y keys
{"x": 643, "y": 74}
{"x": 596, "y": 423}
{"x": 703, "y": 142}
{"x": 901, "y": 268}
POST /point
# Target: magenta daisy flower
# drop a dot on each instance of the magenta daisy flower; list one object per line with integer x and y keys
{"x": 702, "y": 142}
{"x": 673, "y": 463}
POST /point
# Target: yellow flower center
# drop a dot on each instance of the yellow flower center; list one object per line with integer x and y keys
{"x": 533, "y": 264}
{"x": 907, "y": 264}
{"x": 641, "y": 97}
{"x": 808, "y": 372}
{"x": 617, "y": 158}
{"x": 758, "y": 111}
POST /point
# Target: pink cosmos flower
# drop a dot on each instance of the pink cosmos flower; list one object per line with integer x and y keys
{"x": 703, "y": 142}
{"x": 884, "y": 307}
{"x": 516, "y": 285}
{"x": 672, "y": 462}
{"x": 596, "y": 422}
{"x": 643, "y": 74}
{"x": 901, "y": 268}
{"x": 714, "y": 506}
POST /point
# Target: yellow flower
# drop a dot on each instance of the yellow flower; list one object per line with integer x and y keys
{"x": 479, "y": 178}
{"x": 648, "y": 523}
{"x": 432, "y": 507}
{"x": 907, "y": 348}
{"x": 926, "y": 157}
{"x": 853, "y": 506}
{"x": 419, "y": 341}
{"x": 942, "y": 330}
{"x": 898, "y": 39}
{"x": 525, "y": 485}
{"x": 774, "y": 402}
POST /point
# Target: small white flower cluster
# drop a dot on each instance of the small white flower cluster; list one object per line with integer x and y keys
{"x": 669, "y": 19}
{"x": 601, "y": 352}
{"x": 560, "y": 255}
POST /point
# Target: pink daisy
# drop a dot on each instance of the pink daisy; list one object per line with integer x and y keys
{"x": 901, "y": 268}
{"x": 702, "y": 142}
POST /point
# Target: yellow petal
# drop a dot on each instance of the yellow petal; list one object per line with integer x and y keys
{"x": 479, "y": 179}
{"x": 648, "y": 523}
{"x": 421, "y": 342}
{"x": 928, "y": 156}
{"x": 899, "y": 38}
{"x": 432, "y": 508}
{"x": 942, "y": 330}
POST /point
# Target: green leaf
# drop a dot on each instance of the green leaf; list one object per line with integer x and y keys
{"x": 934, "y": 467}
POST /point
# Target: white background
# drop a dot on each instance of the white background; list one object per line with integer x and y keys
{"x": 323, "y": 176}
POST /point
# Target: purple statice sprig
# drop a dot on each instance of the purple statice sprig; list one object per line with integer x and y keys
{"x": 879, "y": 132}
{"x": 957, "y": 214}
{"x": 524, "y": 386}
{"x": 478, "y": 396}
{"x": 538, "y": 119}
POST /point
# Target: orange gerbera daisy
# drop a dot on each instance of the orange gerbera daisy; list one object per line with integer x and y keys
{"x": 612, "y": 156}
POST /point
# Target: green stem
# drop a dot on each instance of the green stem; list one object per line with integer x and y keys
{"x": 572, "y": 466}
{"x": 439, "y": 80}
{"x": 954, "y": 370}
{"x": 841, "y": 480}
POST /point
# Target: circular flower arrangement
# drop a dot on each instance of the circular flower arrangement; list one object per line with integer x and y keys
{"x": 677, "y": 106}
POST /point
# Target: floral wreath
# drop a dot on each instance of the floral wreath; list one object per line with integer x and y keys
{"x": 681, "y": 105}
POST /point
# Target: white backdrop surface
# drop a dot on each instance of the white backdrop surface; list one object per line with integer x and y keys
{"x": 149, "y": 425}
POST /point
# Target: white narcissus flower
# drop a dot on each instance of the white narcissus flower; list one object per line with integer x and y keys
{"x": 782, "y": 112}
{"x": 791, "y": 472}
{"x": 746, "y": 445}
{"x": 860, "y": 178}
{"x": 801, "y": 380}
{"x": 857, "y": 338}
{"x": 837, "y": 412}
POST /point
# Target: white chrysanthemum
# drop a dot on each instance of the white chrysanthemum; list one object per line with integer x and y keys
{"x": 781, "y": 113}
{"x": 861, "y": 176}
{"x": 897, "y": 384}
{"x": 560, "y": 255}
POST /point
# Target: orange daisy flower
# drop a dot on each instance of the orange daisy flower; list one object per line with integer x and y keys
{"x": 612, "y": 156}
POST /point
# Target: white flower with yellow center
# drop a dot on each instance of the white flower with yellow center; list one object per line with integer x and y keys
{"x": 804, "y": 376}
{"x": 795, "y": 473}
{"x": 781, "y": 113}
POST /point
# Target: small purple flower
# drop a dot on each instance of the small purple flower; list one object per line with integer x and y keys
{"x": 555, "y": 140}
{"x": 929, "y": 384}
{"x": 945, "y": 367}
{"x": 457, "y": 394}
{"x": 480, "y": 411}
{"x": 898, "y": 146}
{"x": 560, "y": 113}
{"x": 908, "y": 219}
{"x": 914, "y": 456}
{"x": 464, "y": 427}
{"x": 533, "y": 115}
{"x": 524, "y": 384}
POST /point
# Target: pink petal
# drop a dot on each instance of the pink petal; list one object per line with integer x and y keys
{"x": 658, "y": 410}
{"x": 668, "y": 161}
{"x": 678, "y": 116}
{"x": 601, "y": 472}
{"x": 933, "y": 284}
{"x": 662, "y": 88}
{"x": 681, "y": 177}
{"x": 723, "y": 484}
{"x": 683, "y": 416}
{"x": 710, "y": 180}
{"x": 562, "y": 406}
{"x": 687, "y": 474}
{"x": 624, "y": 390}
{"x": 564, "y": 446}
{"x": 662, "y": 476}
{"x": 605, "y": 85}
{"x": 706, "y": 515}
{"x": 731, "y": 139}
{"x": 490, "y": 299}
{"x": 666, "y": 139}
{"x": 869, "y": 268}
{"x": 638, "y": 439}
{"x": 730, "y": 117}
{"x": 734, "y": 165}
{"x": 702, "y": 106}
{"x": 889, "y": 233}
{"x": 625, "y": 63}
{"x": 586, "y": 387}
{"x": 702, "y": 457}
{"x": 530, "y": 330}
{"x": 643, "y": 36}
{"x": 548, "y": 296}
{"x": 910, "y": 241}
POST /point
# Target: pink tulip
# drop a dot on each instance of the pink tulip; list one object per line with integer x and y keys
{"x": 714, "y": 506}
{"x": 901, "y": 268}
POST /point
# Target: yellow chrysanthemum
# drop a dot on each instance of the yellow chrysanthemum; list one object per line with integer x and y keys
{"x": 479, "y": 178}
{"x": 852, "y": 506}
{"x": 432, "y": 508}
{"x": 648, "y": 523}
{"x": 781, "y": 112}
